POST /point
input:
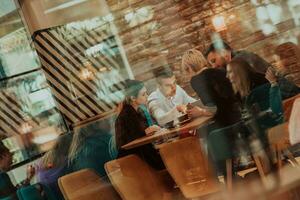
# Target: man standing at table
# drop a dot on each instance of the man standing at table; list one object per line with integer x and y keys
{"x": 219, "y": 54}
{"x": 169, "y": 99}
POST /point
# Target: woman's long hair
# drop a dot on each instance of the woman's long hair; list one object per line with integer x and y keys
{"x": 78, "y": 141}
{"x": 80, "y": 135}
{"x": 57, "y": 156}
{"x": 246, "y": 77}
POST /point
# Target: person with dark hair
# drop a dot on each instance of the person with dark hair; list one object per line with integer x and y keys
{"x": 219, "y": 54}
{"x": 131, "y": 124}
{"x": 256, "y": 89}
{"x": 213, "y": 88}
{"x": 9, "y": 189}
{"x": 169, "y": 99}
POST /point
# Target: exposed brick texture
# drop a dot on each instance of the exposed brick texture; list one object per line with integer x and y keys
{"x": 178, "y": 25}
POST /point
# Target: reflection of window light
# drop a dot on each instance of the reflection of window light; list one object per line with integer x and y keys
{"x": 7, "y": 6}
{"x": 108, "y": 18}
{"x": 41, "y": 101}
{"x": 274, "y": 12}
{"x": 219, "y": 23}
{"x": 138, "y": 16}
{"x": 85, "y": 25}
{"x": 95, "y": 49}
{"x": 143, "y": 12}
{"x": 129, "y": 17}
{"x": 262, "y": 13}
{"x": 46, "y": 137}
{"x": 268, "y": 28}
{"x": 294, "y": 7}
{"x": 64, "y": 5}
{"x": 254, "y": 2}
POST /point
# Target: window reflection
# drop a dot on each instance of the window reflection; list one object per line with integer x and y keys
{"x": 28, "y": 116}
{"x": 16, "y": 53}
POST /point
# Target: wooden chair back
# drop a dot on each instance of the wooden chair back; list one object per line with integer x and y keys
{"x": 134, "y": 179}
{"x": 86, "y": 184}
{"x": 189, "y": 167}
{"x": 288, "y": 105}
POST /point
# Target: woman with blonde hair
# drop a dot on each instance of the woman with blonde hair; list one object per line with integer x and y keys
{"x": 213, "y": 88}
{"x": 54, "y": 164}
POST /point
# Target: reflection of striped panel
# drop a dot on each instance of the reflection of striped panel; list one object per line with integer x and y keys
{"x": 11, "y": 118}
{"x": 62, "y": 62}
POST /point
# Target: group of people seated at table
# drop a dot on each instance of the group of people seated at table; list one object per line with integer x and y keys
{"x": 232, "y": 81}
{"x": 227, "y": 83}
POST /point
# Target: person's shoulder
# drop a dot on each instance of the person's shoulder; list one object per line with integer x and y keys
{"x": 212, "y": 73}
{"x": 261, "y": 89}
{"x": 153, "y": 95}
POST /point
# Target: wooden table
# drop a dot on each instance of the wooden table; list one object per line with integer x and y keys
{"x": 194, "y": 124}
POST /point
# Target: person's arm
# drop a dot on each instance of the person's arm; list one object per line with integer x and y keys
{"x": 275, "y": 100}
{"x": 159, "y": 114}
{"x": 186, "y": 98}
{"x": 30, "y": 172}
{"x": 203, "y": 91}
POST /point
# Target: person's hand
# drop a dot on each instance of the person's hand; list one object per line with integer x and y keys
{"x": 30, "y": 171}
{"x": 181, "y": 108}
{"x": 198, "y": 112}
{"x": 270, "y": 76}
{"x": 152, "y": 129}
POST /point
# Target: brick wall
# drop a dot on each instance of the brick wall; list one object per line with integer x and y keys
{"x": 175, "y": 26}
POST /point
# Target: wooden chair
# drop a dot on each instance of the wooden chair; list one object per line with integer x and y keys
{"x": 294, "y": 127}
{"x": 86, "y": 184}
{"x": 134, "y": 179}
{"x": 189, "y": 167}
{"x": 279, "y": 140}
{"x": 288, "y": 105}
{"x": 221, "y": 150}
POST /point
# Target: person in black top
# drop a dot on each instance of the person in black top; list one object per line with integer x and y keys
{"x": 132, "y": 123}
{"x": 213, "y": 88}
{"x": 219, "y": 54}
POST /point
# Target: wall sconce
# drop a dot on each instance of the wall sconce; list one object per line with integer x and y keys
{"x": 26, "y": 128}
{"x": 219, "y": 23}
{"x": 86, "y": 74}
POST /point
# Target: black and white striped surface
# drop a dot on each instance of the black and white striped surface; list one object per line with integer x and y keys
{"x": 62, "y": 61}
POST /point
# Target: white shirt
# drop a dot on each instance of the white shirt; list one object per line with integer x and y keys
{"x": 163, "y": 109}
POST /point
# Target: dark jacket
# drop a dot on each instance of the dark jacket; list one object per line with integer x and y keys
{"x": 287, "y": 88}
{"x": 7, "y": 189}
{"x": 266, "y": 97}
{"x": 129, "y": 126}
{"x": 214, "y": 89}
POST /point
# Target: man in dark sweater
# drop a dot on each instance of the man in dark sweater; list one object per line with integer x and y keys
{"x": 219, "y": 54}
